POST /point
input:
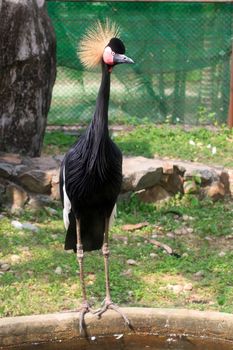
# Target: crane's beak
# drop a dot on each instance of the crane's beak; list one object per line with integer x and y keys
{"x": 118, "y": 58}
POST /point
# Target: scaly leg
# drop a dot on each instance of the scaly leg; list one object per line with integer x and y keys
{"x": 85, "y": 308}
{"x": 108, "y": 304}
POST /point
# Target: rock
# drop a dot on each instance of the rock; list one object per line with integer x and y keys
{"x": 187, "y": 218}
{"x": 36, "y": 181}
{"x": 153, "y": 194}
{"x": 51, "y": 211}
{"x": 181, "y": 231}
{"x": 5, "y": 267}
{"x": 131, "y": 262}
{"x": 146, "y": 179}
{"x": 168, "y": 168}
{"x": 207, "y": 238}
{"x": 59, "y": 158}
{"x": 58, "y": 270}
{"x": 16, "y": 224}
{"x": 10, "y": 158}
{"x": 55, "y": 190}
{"x": 188, "y": 287}
{"x": 127, "y": 273}
{"x": 170, "y": 235}
{"x": 6, "y": 170}
{"x": 184, "y": 255}
{"x": 29, "y": 226}
{"x": 221, "y": 254}
{"x": 26, "y": 226}
{"x": 46, "y": 164}
{"x": 190, "y": 187}
{"x": 215, "y": 191}
{"x": 152, "y": 179}
{"x": 15, "y": 258}
{"x": 208, "y": 176}
{"x": 153, "y": 255}
{"x": 199, "y": 275}
{"x": 173, "y": 182}
{"x": 177, "y": 288}
{"x": 16, "y": 195}
{"x": 140, "y": 173}
{"x": 189, "y": 230}
{"x": 39, "y": 201}
{"x": 228, "y": 177}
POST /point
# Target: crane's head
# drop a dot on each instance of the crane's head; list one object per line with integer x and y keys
{"x": 101, "y": 44}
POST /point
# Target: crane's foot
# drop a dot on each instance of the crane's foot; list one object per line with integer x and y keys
{"x": 108, "y": 304}
{"x": 83, "y": 310}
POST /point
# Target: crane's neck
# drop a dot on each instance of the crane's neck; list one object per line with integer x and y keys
{"x": 98, "y": 129}
{"x": 100, "y": 118}
{"x": 97, "y": 133}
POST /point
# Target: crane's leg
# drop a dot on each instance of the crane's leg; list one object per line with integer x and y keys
{"x": 108, "y": 304}
{"x": 85, "y": 307}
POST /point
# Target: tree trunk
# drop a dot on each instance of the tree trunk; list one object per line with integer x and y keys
{"x": 27, "y": 74}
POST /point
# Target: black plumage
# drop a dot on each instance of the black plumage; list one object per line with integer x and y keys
{"x": 93, "y": 176}
{"x": 91, "y": 172}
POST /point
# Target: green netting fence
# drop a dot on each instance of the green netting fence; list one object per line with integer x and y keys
{"x": 182, "y": 53}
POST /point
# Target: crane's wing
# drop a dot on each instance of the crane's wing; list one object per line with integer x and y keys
{"x": 112, "y": 217}
{"x": 65, "y": 199}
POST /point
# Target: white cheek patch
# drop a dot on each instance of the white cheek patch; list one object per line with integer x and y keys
{"x": 67, "y": 204}
{"x": 108, "y": 56}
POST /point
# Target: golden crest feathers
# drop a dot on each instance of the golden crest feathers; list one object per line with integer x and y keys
{"x": 91, "y": 46}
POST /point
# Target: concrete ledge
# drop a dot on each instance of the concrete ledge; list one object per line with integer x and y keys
{"x": 24, "y": 330}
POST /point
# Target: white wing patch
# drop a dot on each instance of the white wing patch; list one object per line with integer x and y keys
{"x": 67, "y": 204}
{"x": 112, "y": 217}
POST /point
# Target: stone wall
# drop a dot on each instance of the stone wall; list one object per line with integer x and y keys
{"x": 35, "y": 181}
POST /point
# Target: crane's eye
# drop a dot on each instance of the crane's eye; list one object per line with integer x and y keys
{"x": 113, "y": 53}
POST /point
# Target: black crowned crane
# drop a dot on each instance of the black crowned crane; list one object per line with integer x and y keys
{"x": 91, "y": 172}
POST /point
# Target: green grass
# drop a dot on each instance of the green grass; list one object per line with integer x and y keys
{"x": 163, "y": 141}
{"x": 174, "y": 142}
{"x": 57, "y": 142}
{"x": 32, "y": 286}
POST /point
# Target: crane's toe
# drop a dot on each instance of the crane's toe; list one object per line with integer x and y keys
{"x": 108, "y": 304}
{"x": 83, "y": 310}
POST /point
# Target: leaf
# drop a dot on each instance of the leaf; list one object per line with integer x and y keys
{"x": 133, "y": 227}
{"x": 162, "y": 245}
